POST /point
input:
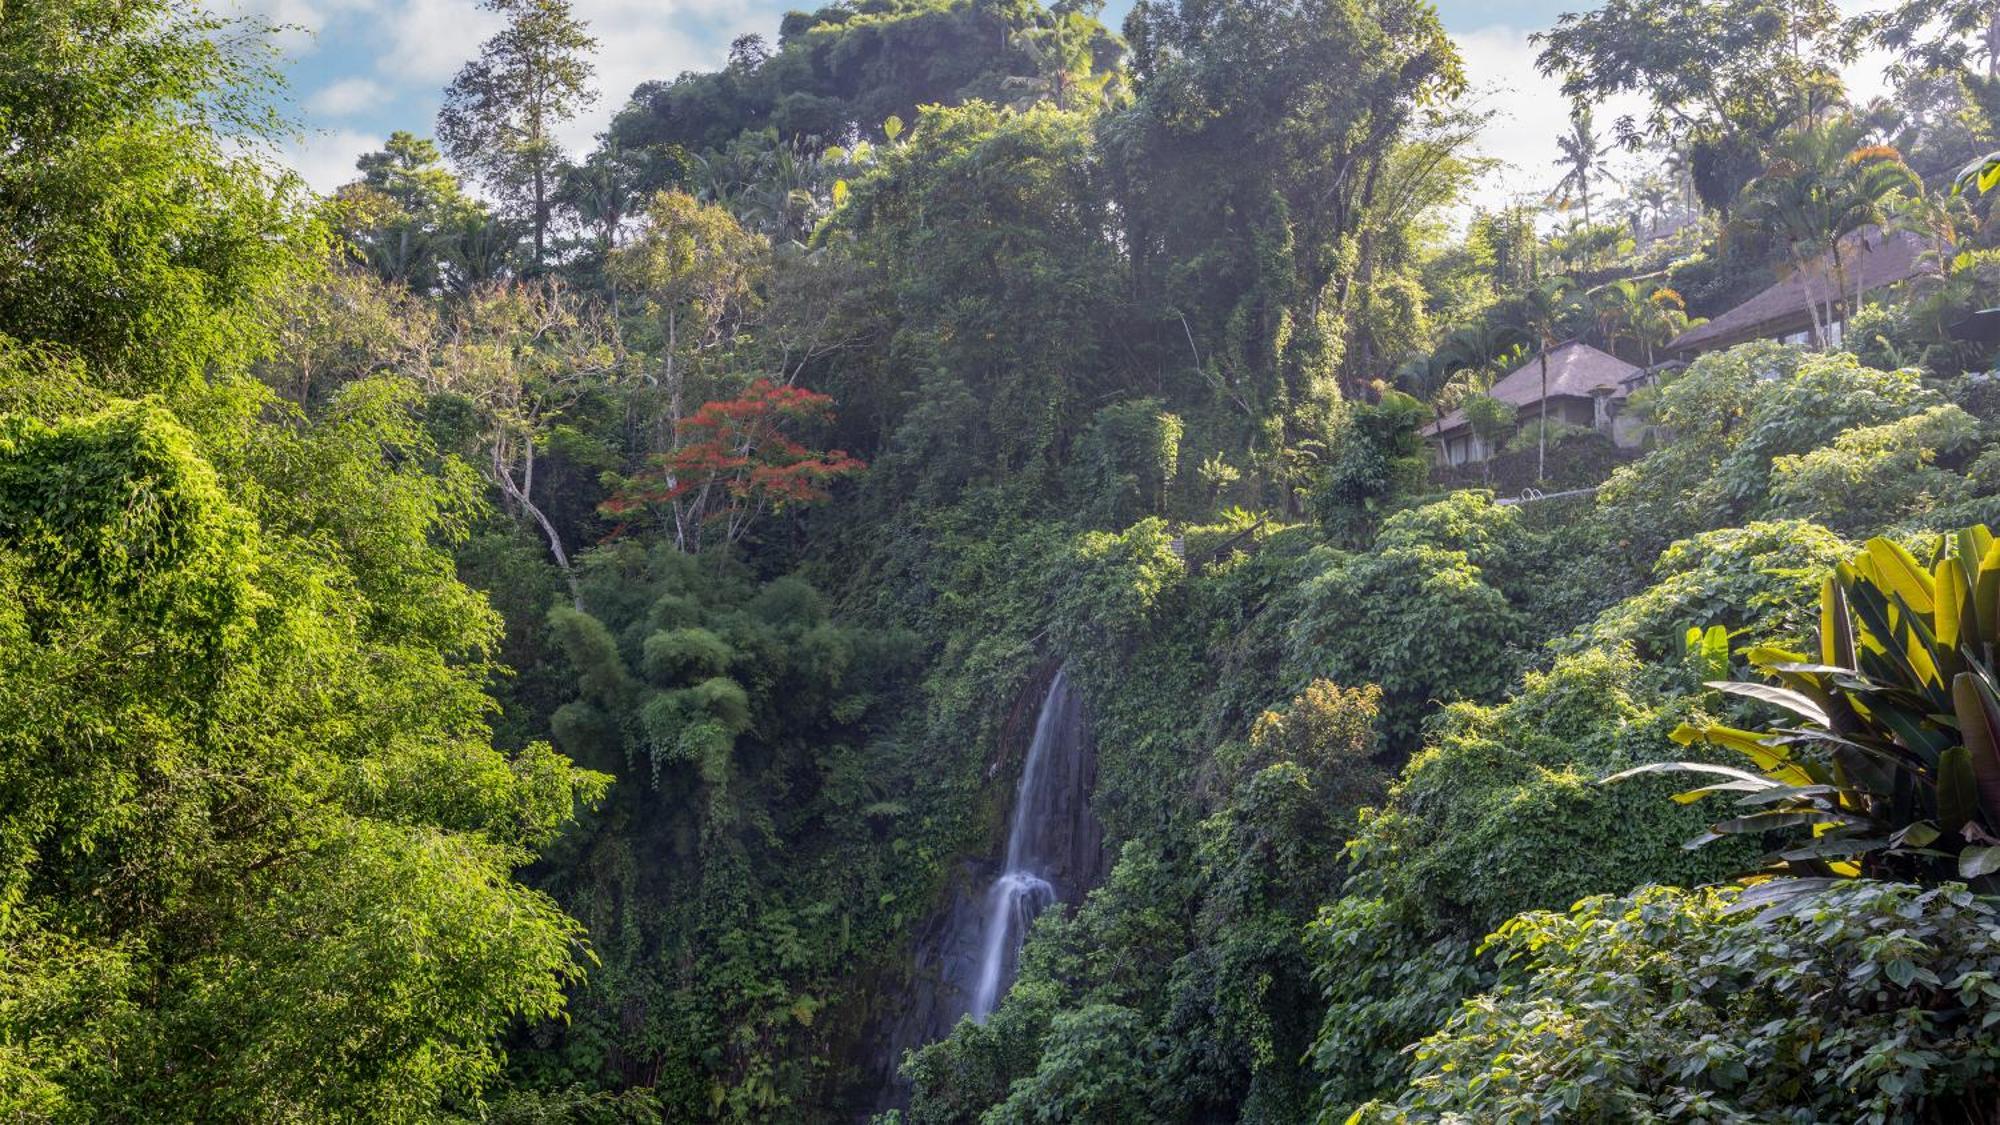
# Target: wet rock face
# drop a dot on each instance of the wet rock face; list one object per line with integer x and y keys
{"x": 965, "y": 956}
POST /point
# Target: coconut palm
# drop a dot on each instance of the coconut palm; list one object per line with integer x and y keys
{"x": 1545, "y": 309}
{"x": 1821, "y": 187}
{"x": 1582, "y": 162}
{"x": 1060, "y": 50}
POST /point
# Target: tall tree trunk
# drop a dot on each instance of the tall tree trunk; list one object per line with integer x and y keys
{"x": 517, "y": 498}
{"x": 1542, "y": 438}
{"x": 541, "y": 210}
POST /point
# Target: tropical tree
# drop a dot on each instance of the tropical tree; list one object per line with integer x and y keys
{"x": 1652, "y": 196}
{"x": 734, "y": 461}
{"x": 1062, "y": 44}
{"x": 501, "y": 112}
{"x": 402, "y": 216}
{"x": 519, "y": 355}
{"x": 1257, "y": 144}
{"x": 257, "y": 846}
{"x": 1582, "y": 161}
{"x": 1820, "y": 189}
{"x": 1491, "y": 420}
{"x": 138, "y": 235}
{"x": 1545, "y": 308}
{"x": 1722, "y": 77}
{"x": 1647, "y": 316}
{"x": 602, "y": 192}
{"x": 1941, "y": 35}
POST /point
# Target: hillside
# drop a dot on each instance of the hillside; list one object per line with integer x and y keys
{"x": 975, "y": 566}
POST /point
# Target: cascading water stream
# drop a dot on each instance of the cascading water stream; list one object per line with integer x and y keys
{"x": 1052, "y": 827}
{"x": 967, "y": 955}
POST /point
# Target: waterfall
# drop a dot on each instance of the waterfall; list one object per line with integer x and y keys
{"x": 1053, "y": 841}
{"x": 966, "y": 955}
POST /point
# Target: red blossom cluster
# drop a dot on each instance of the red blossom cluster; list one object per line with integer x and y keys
{"x": 734, "y": 460}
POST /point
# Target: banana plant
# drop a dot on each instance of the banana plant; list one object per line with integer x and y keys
{"x": 1888, "y": 763}
{"x": 1982, "y": 175}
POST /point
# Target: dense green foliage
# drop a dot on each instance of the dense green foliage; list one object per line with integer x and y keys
{"x": 851, "y": 63}
{"x": 569, "y": 658}
{"x": 1873, "y": 1002}
{"x": 260, "y": 847}
{"x": 757, "y": 740}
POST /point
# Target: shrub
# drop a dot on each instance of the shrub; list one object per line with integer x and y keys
{"x": 1867, "y": 1002}
{"x": 1378, "y": 457}
{"x": 1491, "y": 536}
{"x": 1731, "y": 414}
{"x": 1125, "y": 462}
{"x": 1874, "y": 476}
{"x": 1386, "y": 982}
{"x": 1762, "y": 581}
{"x": 1420, "y": 621}
{"x": 1501, "y": 810}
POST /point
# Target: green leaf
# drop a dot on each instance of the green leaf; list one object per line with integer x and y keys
{"x": 1689, "y": 767}
{"x": 1974, "y": 862}
{"x": 1957, "y": 793}
{"x": 1771, "y": 821}
{"x": 1978, "y": 714}
{"x": 1795, "y": 702}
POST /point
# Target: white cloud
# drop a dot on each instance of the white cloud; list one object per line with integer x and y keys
{"x": 348, "y": 97}
{"x": 1529, "y": 113}
{"x": 298, "y": 22}
{"x": 643, "y": 40}
{"x": 428, "y": 40}
{"x": 325, "y": 160}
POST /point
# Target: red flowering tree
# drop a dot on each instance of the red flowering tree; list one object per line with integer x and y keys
{"x": 733, "y": 461}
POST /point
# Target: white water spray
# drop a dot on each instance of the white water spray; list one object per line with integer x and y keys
{"x": 1051, "y": 818}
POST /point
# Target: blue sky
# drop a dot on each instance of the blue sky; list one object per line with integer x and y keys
{"x": 362, "y": 68}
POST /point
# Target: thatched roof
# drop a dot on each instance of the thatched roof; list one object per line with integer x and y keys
{"x": 1881, "y": 259}
{"x": 1575, "y": 369}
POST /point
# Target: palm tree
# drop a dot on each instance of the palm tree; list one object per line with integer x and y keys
{"x": 1544, "y": 309}
{"x": 1582, "y": 161}
{"x": 1061, "y": 53}
{"x": 1664, "y": 317}
{"x": 1620, "y": 308}
{"x": 1650, "y": 197}
{"x": 1822, "y": 187}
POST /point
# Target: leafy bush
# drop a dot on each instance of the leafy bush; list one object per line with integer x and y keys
{"x": 1501, "y": 809}
{"x": 1499, "y": 812}
{"x": 1874, "y": 476}
{"x": 1866, "y": 1002}
{"x": 1491, "y": 536}
{"x": 1527, "y": 439}
{"x": 1761, "y": 580}
{"x": 1386, "y": 982}
{"x": 1731, "y": 414}
{"x": 1125, "y": 463}
{"x": 1378, "y": 456}
{"x": 1414, "y": 616}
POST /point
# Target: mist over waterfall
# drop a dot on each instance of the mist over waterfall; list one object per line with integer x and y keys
{"x": 1051, "y": 828}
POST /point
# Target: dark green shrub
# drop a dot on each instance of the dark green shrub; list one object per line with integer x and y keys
{"x": 1867, "y": 1002}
